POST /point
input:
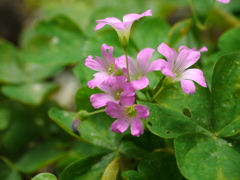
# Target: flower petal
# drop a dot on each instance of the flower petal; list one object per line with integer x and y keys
{"x": 114, "y": 110}
{"x": 185, "y": 59}
{"x": 133, "y": 17}
{"x": 97, "y": 65}
{"x": 188, "y": 86}
{"x": 155, "y": 65}
{"x": 224, "y": 1}
{"x": 108, "y": 20}
{"x": 121, "y": 25}
{"x": 140, "y": 83}
{"x": 99, "y": 26}
{"x": 100, "y": 100}
{"x": 107, "y": 52}
{"x": 120, "y": 125}
{"x": 126, "y": 100}
{"x": 165, "y": 68}
{"x": 143, "y": 59}
{"x": 168, "y": 52}
{"x": 204, "y": 48}
{"x": 99, "y": 78}
{"x": 142, "y": 110}
{"x": 136, "y": 127}
{"x": 195, "y": 75}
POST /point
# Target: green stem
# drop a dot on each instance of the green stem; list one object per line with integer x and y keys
{"x": 96, "y": 112}
{"x": 156, "y": 94}
{"x": 126, "y": 55}
{"x": 209, "y": 12}
{"x": 194, "y": 12}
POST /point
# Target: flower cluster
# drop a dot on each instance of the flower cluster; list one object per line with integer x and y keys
{"x": 119, "y": 78}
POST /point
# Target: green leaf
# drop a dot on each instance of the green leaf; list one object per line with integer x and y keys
{"x": 8, "y": 172}
{"x": 10, "y": 65}
{"x": 59, "y": 42}
{"x": 147, "y": 141}
{"x": 87, "y": 168}
{"x": 96, "y": 130}
{"x": 202, "y": 157}
{"x": 83, "y": 149}
{"x": 35, "y": 159}
{"x": 178, "y": 31}
{"x": 229, "y": 41}
{"x": 112, "y": 170}
{"x": 226, "y": 95}
{"x": 44, "y": 176}
{"x": 157, "y": 31}
{"x": 82, "y": 98}
{"x": 133, "y": 175}
{"x": 155, "y": 166}
{"x": 159, "y": 165}
{"x": 177, "y": 109}
{"x": 32, "y": 94}
{"x": 4, "y": 118}
{"x": 63, "y": 119}
{"x": 130, "y": 149}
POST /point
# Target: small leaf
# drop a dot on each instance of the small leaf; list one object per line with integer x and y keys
{"x": 32, "y": 94}
{"x": 10, "y": 65}
{"x": 34, "y": 159}
{"x": 64, "y": 119}
{"x": 226, "y": 95}
{"x": 202, "y": 157}
{"x": 169, "y": 115}
{"x": 82, "y": 98}
{"x": 157, "y": 32}
{"x": 130, "y": 149}
{"x": 96, "y": 130}
{"x": 229, "y": 41}
{"x": 112, "y": 170}
{"x": 133, "y": 175}
{"x": 178, "y": 31}
{"x": 87, "y": 168}
{"x": 159, "y": 165}
{"x": 44, "y": 176}
{"x": 8, "y": 172}
{"x": 58, "y": 42}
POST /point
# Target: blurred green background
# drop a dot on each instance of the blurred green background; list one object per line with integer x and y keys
{"x": 43, "y": 46}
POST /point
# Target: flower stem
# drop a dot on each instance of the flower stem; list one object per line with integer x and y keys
{"x": 156, "y": 94}
{"x": 209, "y": 12}
{"x": 96, "y": 112}
{"x": 83, "y": 115}
{"x": 126, "y": 55}
{"x": 194, "y": 12}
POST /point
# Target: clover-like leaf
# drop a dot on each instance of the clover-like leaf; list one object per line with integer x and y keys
{"x": 202, "y": 157}
{"x": 226, "y": 95}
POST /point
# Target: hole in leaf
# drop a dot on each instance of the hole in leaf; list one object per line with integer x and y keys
{"x": 107, "y": 51}
{"x": 168, "y": 132}
{"x": 149, "y": 123}
{"x": 187, "y": 113}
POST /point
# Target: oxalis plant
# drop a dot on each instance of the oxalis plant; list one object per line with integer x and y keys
{"x": 157, "y": 118}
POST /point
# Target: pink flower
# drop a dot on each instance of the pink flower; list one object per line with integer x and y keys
{"x": 224, "y": 1}
{"x": 127, "y": 114}
{"x": 112, "y": 92}
{"x": 177, "y": 64}
{"x": 138, "y": 70}
{"x": 107, "y": 66}
{"x": 122, "y": 28}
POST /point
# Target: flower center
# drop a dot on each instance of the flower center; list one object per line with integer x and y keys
{"x": 131, "y": 111}
{"x": 111, "y": 69}
{"x": 117, "y": 95}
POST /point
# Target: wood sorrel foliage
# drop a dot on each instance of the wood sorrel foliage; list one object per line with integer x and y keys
{"x": 154, "y": 83}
